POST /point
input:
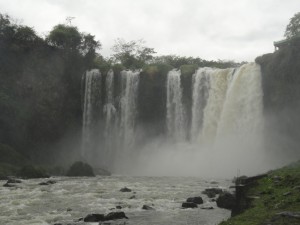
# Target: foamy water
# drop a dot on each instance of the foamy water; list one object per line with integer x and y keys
{"x": 73, "y": 198}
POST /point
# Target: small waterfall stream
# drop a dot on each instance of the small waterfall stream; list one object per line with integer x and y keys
{"x": 176, "y": 123}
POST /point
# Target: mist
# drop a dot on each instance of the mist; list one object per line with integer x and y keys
{"x": 222, "y": 133}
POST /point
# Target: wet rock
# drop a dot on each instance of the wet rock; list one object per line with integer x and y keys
{"x": 115, "y": 216}
{"x": 189, "y": 205}
{"x": 125, "y": 189}
{"x": 13, "y": 181}
{"x": 132, "y": 197}
{"x": 8, "y": 185}
{"x": 80, "y": 169}
{"x": 69, "y": 209}
{"x": 226, "y": 200}
{"x": 47, "y": 182}
{"x": 214, "y": 182}
{"x": 207, "y": 207}
{"x": 212, "y": 192}
{"x": 146, "y": 207}
{"x": 197, "y": 200}
{"x": 118, "y": 207}
{"x": 94, "y": 218}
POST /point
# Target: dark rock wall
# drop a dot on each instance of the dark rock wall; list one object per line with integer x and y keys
{"x": 281, "y": 86}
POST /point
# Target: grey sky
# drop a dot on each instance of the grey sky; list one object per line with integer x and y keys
{"x": 210, "y": 29}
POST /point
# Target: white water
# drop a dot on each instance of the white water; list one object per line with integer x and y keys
{"x": 32, "y": 204}
{"x": 128, "y": 111}
{"x": 176, "y": 123}
{"x": 110, "y": 122}
{"x": 200, "y": 96}
{"x": 90, "y": 78}
{"x": 226, "y": 130}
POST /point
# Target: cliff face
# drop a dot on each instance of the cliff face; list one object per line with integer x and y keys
{"x": 281, "y": 85}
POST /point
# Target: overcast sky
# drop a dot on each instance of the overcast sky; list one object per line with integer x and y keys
{"x": 210, "y": 29}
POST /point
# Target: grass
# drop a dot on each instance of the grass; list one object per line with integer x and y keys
{"x": 277, "y": 193}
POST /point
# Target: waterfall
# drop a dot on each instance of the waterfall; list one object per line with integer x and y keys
{"x": 200, "y": 95}
{"x": 128, "y": 108}
{"x": 176, "y": 123}
{"x": 92, "y": 80}
{"x": 225, "y": 115}
{"x": 219, "y": 79}
{"x": 109, "y": 111}
{"x": 243, "y": 108}
{"x": 226, "y": 102}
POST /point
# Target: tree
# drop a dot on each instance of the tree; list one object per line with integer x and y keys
{"x": 132, "y": 54}
{"x": 293, "y": 28}
{"x": 65, "y": 37}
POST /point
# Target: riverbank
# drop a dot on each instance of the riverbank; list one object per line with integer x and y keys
{"x": 273, "y": 199}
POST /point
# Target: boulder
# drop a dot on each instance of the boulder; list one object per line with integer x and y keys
{"x": 13, "y": 181}
{"x": 94, "y": 218}
{"x": 8, "y": 185}
{"x": 125, "y": 189}
{"x": 115, "y": 216}
{"x": 197, "y": 200}
{"x": 132, "y": 197}
{"x": 80, "y": 169}
{"x": 146, "y": 207}
{"x": 212, "y": 192}
{"x": 118, "y": 207}
{"x": 189, "y": 205}
{"x": 47, "y": 182}
{"x": 226, "y": 200}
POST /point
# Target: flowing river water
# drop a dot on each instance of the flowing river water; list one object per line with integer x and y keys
{"x": 72, "y": 198}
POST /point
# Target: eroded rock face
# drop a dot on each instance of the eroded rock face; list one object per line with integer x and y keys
{"x": 281, "y": 87}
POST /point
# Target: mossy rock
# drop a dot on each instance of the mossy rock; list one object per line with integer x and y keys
{"x": 30, "y": 171}
{"x": 157, "y": 69}
{"x": 188, "y": 70}
{"x": 80, "y": 169}
{"x": 117, "y": 68}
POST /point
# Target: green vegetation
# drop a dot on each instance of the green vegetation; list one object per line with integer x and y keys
{"x": 79, "y": 169}
{"x": 276, "y": 193}
{"x": 293, "y": 28}
{"x": 29, "y": 171}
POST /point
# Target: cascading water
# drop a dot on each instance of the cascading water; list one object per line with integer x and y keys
{"x": 216, "y": 97}
{"x": 92, "y": 80}
{"x": 109, "y": 111}
{"x": 175, "y": 112}
{"x": 128, "y": 108}
{"x": 225, "y": 116}
{"x": 200, "y": 96}
{"x": 243, "y": 108}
